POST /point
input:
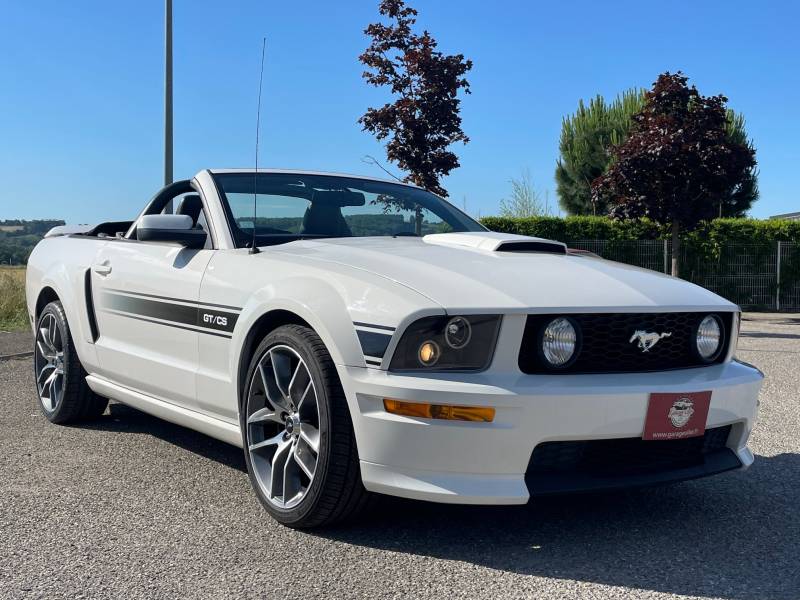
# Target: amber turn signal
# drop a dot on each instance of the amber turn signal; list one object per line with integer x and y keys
{"x": 439, "y": 411}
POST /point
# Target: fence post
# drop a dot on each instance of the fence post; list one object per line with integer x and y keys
{"x": 666, "y": 258}
{"x": 778, "y": 278}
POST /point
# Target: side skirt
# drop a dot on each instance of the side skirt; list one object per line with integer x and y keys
{"x": 215, "y": 428}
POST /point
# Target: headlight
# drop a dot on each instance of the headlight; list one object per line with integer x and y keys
{"x": 559, "y": 342}
{"x": 461, "y": 343}
{"x": 457, "y": 332}
{"x": 709, "y": 338}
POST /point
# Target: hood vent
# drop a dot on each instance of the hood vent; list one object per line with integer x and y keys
{"x": 532, "y": 246}
{"x": 496, "y": 242}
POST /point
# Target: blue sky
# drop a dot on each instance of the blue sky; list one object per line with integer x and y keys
{"x": 82, "y": 85}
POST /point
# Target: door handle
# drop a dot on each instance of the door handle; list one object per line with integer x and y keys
{"x": 104, "y": 268}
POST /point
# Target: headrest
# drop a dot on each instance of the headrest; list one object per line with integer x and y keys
{"x": 190, "y": 205}
{"x": 338, "y": 198}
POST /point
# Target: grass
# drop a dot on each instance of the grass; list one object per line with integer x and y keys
{"x": 13, "y": 315}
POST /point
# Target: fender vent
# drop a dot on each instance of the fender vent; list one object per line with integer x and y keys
{"x": 87, "y": 288}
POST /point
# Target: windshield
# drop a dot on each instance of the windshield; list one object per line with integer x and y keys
{"x": 291, "y": 207}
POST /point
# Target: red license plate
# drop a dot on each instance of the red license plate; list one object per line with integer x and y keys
{"x": 676, "y": 416}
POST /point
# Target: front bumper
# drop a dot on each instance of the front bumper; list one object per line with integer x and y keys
{"x": 486, "y": 463}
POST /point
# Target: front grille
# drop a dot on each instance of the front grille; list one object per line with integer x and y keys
{"x": 624, "y": 457}
{"x": 606, "y": 345}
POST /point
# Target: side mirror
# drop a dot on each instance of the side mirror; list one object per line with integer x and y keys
{"x": 170, "y": 228}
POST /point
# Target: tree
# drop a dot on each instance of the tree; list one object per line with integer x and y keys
{"x": 678, "y": 163}
{"x": 525, "y": 200}
{"x": 746, "y": 193}
{"x": 585, "y": 145}
{"x": 424, "y": 118}
{"x": 588, "y": 136}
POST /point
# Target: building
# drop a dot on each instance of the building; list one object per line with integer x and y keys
{"x": 794, "y": 216}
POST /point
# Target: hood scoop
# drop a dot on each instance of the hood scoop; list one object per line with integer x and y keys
{"x": 496, "y": 242}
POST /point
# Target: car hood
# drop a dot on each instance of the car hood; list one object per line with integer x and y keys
{"x": 466, "y": 272}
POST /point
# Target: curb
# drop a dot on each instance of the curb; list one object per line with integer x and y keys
{"x": 17, "y": 355}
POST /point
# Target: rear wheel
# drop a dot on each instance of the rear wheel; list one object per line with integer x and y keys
{"x": 298, "y": 436}
{"x": 64, "y": 395}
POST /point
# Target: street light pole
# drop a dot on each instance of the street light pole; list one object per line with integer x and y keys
{"x": 168, "y": 92}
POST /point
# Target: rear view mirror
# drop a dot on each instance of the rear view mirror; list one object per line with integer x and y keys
{"x": 170, "y": 228}
{"x": 339, "y": 198}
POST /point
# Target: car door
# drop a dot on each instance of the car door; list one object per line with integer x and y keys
{"x": 146, "y": 294}
{"x": 146, "y": 300}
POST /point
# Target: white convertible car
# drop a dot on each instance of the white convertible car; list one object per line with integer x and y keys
{"x": 356, "y": 335}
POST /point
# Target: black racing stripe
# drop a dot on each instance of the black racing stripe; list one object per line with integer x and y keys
{"x": 177, "y": 313}
{"x": 175, "y": 325}
{"x": 207, "y": 318}
{"x": 373, "y": 344}
{"x": 224, "y": 306}
{"x": 357, "y": 324}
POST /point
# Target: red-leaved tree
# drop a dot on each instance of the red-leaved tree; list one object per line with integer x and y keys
{"x": 424, "y": 118}
{"x": 678, "y": 164}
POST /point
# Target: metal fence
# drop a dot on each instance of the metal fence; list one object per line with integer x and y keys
{"x": 755, "y": 276}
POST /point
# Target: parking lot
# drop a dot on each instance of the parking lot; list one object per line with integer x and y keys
{"x": 133, "y": 507}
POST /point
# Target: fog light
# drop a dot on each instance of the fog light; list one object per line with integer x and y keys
{"x": 709, "y": 338}
{"x": 439, "y": 411}
{"x": 559, "y": 342}
{"x": 429, "y": 353}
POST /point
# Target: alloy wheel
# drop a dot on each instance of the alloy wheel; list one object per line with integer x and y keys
{"x": 49, "y": 362}
{"x": 283, "y": 426}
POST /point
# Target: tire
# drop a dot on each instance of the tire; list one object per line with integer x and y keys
{"x": 64, "y": 396}
{"x": 278, "y": 424}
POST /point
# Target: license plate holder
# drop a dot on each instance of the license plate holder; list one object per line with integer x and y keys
{"x": 675, "y": 416}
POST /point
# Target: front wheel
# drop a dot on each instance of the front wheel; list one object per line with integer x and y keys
{"x": 298, "y": 437}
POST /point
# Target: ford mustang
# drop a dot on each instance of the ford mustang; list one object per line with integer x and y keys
{"x": 357, "y": 336}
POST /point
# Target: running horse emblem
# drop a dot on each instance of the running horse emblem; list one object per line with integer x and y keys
{"x": 648, "y": 339}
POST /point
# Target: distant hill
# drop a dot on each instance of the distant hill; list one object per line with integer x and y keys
{"x": 18, "y": 237}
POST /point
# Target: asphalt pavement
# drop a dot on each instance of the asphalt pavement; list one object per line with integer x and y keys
{"x": 15, "y": 342}
{"x": 134, "y": 507}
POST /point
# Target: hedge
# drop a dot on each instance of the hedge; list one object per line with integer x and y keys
{"x": 715, "y": 233}
{"x": 735, "y": 258}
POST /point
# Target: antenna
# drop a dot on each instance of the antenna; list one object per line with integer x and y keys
{"x": 253, "y": 248}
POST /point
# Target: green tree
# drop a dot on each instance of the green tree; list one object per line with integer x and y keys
{"x": 585, "y": 146}
{"x": 746, "y": 193}
{"x": 525, "y": 200}
{"x": 587, "y": 140}
{"x": 678, "y": 164}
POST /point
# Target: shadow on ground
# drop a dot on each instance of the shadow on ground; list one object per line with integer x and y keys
{"x": 731, "y": 536}
{"x": 124, "y": 419}
{"x": 720, "y": 537}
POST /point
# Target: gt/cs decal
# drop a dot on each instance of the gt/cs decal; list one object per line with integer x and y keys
{"x": 217, "y": 320}
{"x": 172, "y": 312}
